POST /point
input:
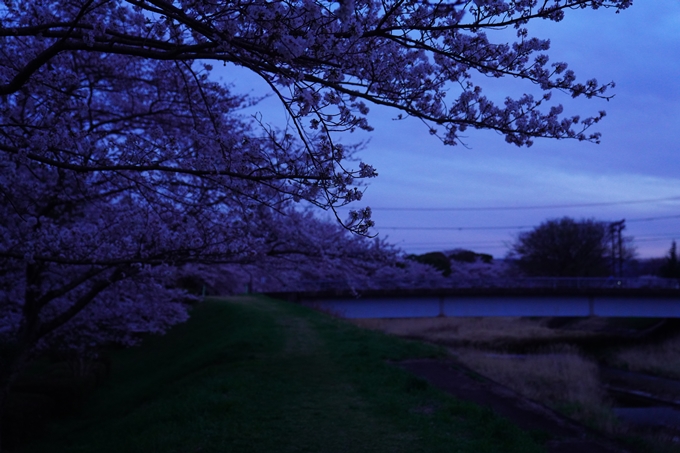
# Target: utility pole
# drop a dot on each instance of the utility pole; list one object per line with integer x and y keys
{"x": 615, "y": 229}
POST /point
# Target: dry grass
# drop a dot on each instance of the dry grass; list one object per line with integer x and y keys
{"x": 560, "y": 377}
{"x": 658, "y": 359}
{"x": 477, "y": 332}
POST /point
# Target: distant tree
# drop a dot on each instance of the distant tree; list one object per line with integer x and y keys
{"x": 435, "y": 259}
{"x": 468, "y": 256}
{"x": 566, "y": 248}
{"x": 670, "y": 268}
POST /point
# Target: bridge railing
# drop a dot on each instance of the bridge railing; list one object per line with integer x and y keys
{"x": 484, "y": 283}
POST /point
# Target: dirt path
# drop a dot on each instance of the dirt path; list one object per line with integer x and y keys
{"x": 565, "y": 435}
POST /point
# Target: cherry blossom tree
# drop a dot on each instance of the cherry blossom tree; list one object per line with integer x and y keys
{"x": 122, "y": 159}
{"x": 301, "y": 252}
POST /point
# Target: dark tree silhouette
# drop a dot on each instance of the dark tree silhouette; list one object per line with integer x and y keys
{"x": 435, "y": 259}
{"x": 670, "y": 268}
{"x": 565, "y": 248}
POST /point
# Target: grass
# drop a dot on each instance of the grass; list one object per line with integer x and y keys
{"x": 488, "y": 333}
{"x": 553, "y": 363}
{"x": 658, "y": 359}
{"x": 560, "y": 377}
{"x": 547, "y": 369}
{"x": 257, "y": 375}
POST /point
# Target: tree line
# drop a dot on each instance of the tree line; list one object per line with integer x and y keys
{"x": 566, "y": 247}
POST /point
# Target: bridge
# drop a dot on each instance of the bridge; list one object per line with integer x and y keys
{"x": 553, "y": 297}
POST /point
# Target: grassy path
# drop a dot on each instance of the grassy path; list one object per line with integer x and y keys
{"x": 256, "y": 375}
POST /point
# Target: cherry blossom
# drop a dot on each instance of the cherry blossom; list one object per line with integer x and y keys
{"x": 124, "y": 162}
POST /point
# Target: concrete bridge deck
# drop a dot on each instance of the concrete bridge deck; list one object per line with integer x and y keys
{"x": 621, "y": 300}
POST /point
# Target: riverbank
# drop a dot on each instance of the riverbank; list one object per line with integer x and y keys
{"x": 257, "y": 375}
{"x": 581, "y": 367}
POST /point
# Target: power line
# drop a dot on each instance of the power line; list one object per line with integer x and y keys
{"x": 457, "y": 228}
{"x": 652, "y": 240}
{"x": 503, "y": 242}
{"x": 659, "y": 236}
{"x": 649, "y": 219}
{"x": 430, "y": 243}
{"x": 521, "y": 208}
{"x": 516, "y": 227}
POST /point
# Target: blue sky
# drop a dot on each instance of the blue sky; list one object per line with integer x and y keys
{"x": 638, "y": 158}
